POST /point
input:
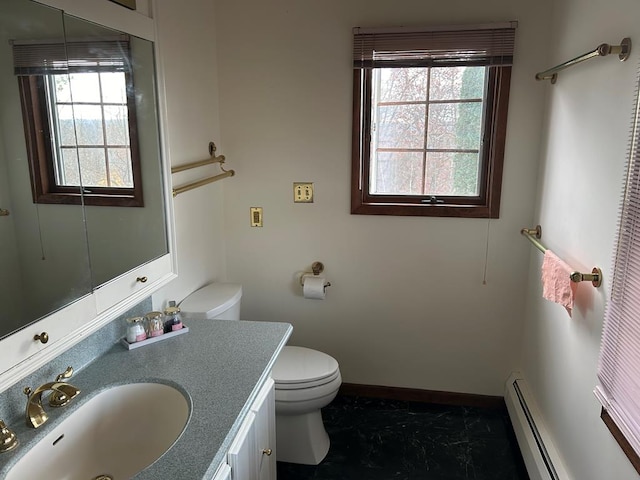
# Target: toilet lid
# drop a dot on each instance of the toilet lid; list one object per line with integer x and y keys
{"x": 211, "y": 300}
{"x": 296, "y": 365}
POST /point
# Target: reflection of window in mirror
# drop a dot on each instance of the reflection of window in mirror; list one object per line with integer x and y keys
{"x": 78, "y": 108}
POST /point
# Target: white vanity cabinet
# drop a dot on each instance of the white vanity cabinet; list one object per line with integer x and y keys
{"x": 265, "y": 431}
{"x": 252, "y": 455}
{"x": 223, "y": 473}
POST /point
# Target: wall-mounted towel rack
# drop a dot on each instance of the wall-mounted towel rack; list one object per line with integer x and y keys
{"x": 219, "y": 159}
{"x": 623, "y": 50}
{"x": 595, "y": 277}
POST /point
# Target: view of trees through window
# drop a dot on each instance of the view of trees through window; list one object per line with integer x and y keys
{"x": 426, "y": 130}
{"x": 89, "y": 120}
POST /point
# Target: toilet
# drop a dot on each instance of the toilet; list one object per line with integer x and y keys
{"x": 306, "y": 380}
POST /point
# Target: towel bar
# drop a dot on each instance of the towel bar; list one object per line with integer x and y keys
{"x": 219, "y": 159}
{"x": 623, "y": 50}
{"x": 595, "y": 277}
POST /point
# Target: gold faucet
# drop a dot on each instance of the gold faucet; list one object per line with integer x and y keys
{"x": 8, "y": 439}
{"x": 61, "y": 394}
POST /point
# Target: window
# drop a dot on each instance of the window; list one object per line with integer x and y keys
{"x": 619, "y": 368}
{"x": 79, "y": 117}
{"x": 429, "y": 120}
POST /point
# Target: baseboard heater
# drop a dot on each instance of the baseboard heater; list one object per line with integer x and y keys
{"x": 539, "y": 454}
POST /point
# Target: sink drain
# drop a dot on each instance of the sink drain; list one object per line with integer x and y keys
{"x": 103, "y": 477}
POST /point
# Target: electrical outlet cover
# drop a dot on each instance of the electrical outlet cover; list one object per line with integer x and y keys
{"x": 303, "y": 192}
{"x": 256, "y": 216}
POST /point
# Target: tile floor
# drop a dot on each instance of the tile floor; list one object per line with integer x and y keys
{"x": 375, "y": 439}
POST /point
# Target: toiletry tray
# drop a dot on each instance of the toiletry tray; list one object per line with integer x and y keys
{"x": 150, "y": 340}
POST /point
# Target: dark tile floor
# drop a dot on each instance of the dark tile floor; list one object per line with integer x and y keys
{"x": 374, "y": 439}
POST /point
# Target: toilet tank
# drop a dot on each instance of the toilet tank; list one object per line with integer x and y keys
{"x": 219, "y": 301}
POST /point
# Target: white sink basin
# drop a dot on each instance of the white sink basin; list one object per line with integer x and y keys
{"x": 117, "y": 433}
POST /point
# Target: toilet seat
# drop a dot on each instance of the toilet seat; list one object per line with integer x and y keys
{"x": 300, "y": 368}
{"x": 301, "y": 385}
{"x": 308, "y": 395}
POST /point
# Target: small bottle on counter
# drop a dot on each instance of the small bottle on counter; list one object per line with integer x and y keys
{"x": 154, "y": 324}
{"x": 172, "y": 319}
{"x": 135, "y": 330}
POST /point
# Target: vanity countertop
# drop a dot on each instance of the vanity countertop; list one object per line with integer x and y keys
{"x": 219, "y": 363}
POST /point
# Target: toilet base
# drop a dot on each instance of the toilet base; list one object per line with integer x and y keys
{"x": 301, "y": 438}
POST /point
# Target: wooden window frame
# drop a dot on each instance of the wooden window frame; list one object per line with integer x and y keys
{"x": 620, "y": 439}
{"x": 489, "y": 45}
{"x": 485, "y": 205}
{"x": 38, "y": 136}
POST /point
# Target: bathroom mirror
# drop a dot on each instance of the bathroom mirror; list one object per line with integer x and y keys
{"x": 81, "y": 179}
{"x": 121, "y": 117}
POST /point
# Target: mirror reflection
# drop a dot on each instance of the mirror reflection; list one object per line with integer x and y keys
{"x": 44, "y": 259}
{"x": 118, "y": 149}
{"x": 80, "y": 168}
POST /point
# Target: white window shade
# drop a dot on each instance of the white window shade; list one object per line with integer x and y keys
{"x": 490, "y": 44}
{"x": 619, "y": 367}
{"x": 71, "y": 56}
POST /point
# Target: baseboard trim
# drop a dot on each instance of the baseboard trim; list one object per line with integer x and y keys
{"x": 424, "y": 396}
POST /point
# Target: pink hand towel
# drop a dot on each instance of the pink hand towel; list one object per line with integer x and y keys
{"x": 556, "y": 284}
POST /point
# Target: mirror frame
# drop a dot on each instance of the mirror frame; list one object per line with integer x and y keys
{"x": 22, "y": 354}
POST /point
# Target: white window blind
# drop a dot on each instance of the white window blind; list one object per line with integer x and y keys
{"x": 490, "y": 44}
{"x": 619, "y": 367}
{"x": 72, "y": 56}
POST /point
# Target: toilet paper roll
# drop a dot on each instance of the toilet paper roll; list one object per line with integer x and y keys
{"x": 313, "y": 286}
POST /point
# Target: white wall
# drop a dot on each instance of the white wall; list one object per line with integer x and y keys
{"x": 583, "y": 159}
{"x": 186, "y": 39}
{"x": 407, "y": 306}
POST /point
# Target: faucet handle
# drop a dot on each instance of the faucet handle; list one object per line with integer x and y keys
{"x": 64, "y": 375}
{"x": 63, "y": 392}
{"x": 8, "y": 439}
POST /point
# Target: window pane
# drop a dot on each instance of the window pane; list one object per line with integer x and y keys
{"x": 69, "y": 174}
{"x": 397, "y": 173}
{"x": 93, "y": 166}
{"x": 62, "y": 89}
{"x": 66, "y": 126}
{"x": 114, "y": 88}
{"x": 85, "y": 87}
{"x": 454, "y": 126}
{"x": 469, "y": 126}
{"x": 403, "y": 84}
{"x": 116, "y": 125}
{"x": 120, "y": 168}
{"x": 456, "y": 83}
{"x": 400, "y": 126}
{"x": 443, "y": 118}
{"x": 439, "y": 174}
{"x": 88, "y": 124}
{"x": 452, "y": 173}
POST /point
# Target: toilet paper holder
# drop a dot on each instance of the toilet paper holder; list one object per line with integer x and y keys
{"x": 316, "y": 269}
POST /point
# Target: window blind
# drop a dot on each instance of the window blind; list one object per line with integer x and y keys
{"x": 619, "y": 365}
{"x": 59, "y": 57}
{"x": 478, "y": 45}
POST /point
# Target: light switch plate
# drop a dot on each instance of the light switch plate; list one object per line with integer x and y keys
{"x": 303, "y": 192}
{"x": 256, "y": 216}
